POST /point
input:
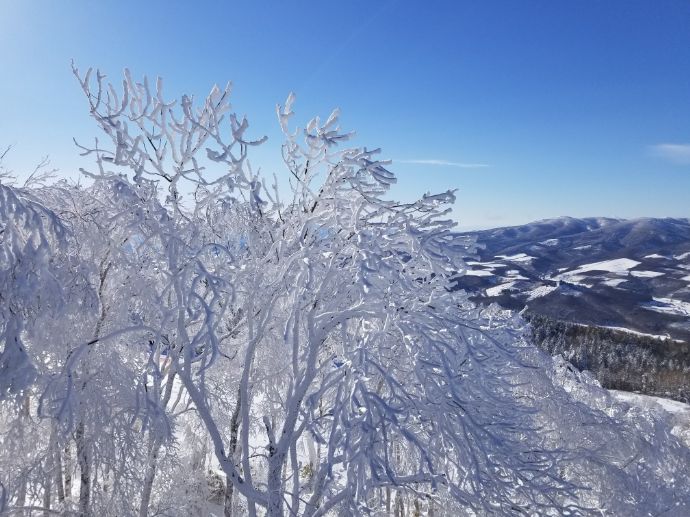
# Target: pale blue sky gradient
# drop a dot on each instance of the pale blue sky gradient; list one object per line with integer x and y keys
{"x": 532, "y": 109}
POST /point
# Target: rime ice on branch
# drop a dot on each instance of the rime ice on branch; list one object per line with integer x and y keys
{"x": 309, "y": 337}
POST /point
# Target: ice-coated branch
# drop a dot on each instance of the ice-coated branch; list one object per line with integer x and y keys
{"x": 186, "y": 333}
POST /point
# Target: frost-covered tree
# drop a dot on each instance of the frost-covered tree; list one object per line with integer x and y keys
{"x": 291, "y": 347}
{"x": 32, "y": 276}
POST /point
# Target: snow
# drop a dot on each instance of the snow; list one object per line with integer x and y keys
{"x": 317, "y": 360}
{"x": 520, "y": 257}
{"x": 574, "y": 279}
{"x": 668, "y": 306}
{"x": 489, "y": 265}
{"x": 646, "y": 274}
{"x": 514, "y": 274}
{"x": 550, "y": 242}
{"x": 683, "y": 256}
{"x": 627, "y": 331}
{"x": 614, "y": 282}
{"x": 638, "y": 399}
{"x": 586, "y": 247}
{"x": 686, "y": 278}
{"x": 676, "y": 412}
{"x": 478, "y": 272}
{"x": 498, "y": 289}
{"x": 540, "y": 291}
{"x": 655, "y": 256}
{"x": 620, "y": 265}
{"x": 644, "y": 334}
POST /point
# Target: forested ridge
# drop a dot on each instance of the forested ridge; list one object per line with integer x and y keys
{"x": 619, "y": 360}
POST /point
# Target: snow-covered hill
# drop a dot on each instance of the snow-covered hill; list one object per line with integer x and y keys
{"x": 627, "y": 274}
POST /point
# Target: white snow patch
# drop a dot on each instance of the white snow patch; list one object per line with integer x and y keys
{"x": 668, "y": 306}
{"x": 573, "y": 279}
{"x": 540, "y": 291}
{"x": 478, "y": 272}
{"x": 643, "y": 334}
{"x": 489, "y": 265}
{"x": 686, "y": 278}
{"x": 614, "y": 282}
{"x": 638, "y": 399}
{"x": 655, "y": 256}
{"x": 618, "y": 266}
{"x": 629, "y": 331}
{"x": 683, "y": 256}
{"x": 520, "y": 257}
{"x": 550, "y": 242}
{"x": 514, "y": 274}
{"x": 498, "y": 289}
{"x": 646, "y": 274}
{"x": 586, "y": 247}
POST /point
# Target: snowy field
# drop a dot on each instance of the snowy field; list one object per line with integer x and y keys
{"x": 619, "y": 266}
{"x": 669, "y": 306}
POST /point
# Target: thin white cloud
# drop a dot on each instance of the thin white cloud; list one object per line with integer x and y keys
{"x": 676, "y": 153}
{"x": 445, "y": 163}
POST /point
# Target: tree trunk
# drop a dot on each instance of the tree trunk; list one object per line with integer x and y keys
{"x": 152, "y": 467}
{"x": 21, "y": 496}
{"x": 49, "y": 466}
{"x": 399, "y": 506}
{"x": 234, "y": 430}
{"x": 21, "y": 493}
{"x": 84, "y": 471}
{"x": 82, "y": 450}
{"x": 58, "y": 477}
{"x": 46, "y": 494}
{"x": 227, "y": 502}
{"x": 148, "y": 480}
{"x": 275, "y": 485}
{"x": 68, "y": 471}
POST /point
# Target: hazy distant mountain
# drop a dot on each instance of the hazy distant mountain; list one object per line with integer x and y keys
{"x": 633, "y": 274}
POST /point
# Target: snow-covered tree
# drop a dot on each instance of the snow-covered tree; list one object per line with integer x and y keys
{"x": 287, "y": 347}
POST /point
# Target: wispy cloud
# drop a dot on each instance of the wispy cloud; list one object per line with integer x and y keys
{"x": 676, "y": 153}
{"x": 445, "y": 163}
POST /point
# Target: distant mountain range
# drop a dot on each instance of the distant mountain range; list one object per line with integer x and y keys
{"x": 628, "y": 274}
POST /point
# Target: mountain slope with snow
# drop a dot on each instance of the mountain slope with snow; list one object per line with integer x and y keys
{"x": 630, "y": 274}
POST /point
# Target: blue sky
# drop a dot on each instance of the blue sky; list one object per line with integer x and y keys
{"x": 532, "y": 109}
